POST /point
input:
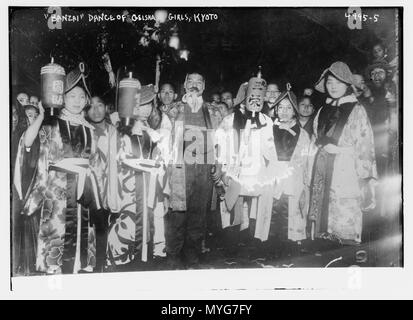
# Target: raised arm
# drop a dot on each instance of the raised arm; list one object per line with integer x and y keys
{"x": 33, "y": 130}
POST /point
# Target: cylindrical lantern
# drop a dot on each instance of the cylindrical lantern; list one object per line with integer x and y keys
{"x": 52, "y": 87}
{"x": 128, "y": 89}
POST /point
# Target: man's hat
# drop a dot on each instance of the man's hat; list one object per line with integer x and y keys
{"x": 338, "y": 69}
{"x": 382, "y": 64}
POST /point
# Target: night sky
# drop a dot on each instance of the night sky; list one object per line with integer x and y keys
{"x": 291, "y": 44}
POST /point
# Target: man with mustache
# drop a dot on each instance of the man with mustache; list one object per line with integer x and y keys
{"x": 190, "y": 184}
{"x": 379, "y": 111}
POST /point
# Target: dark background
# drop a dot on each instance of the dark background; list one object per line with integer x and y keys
{"x": 291, "y": 44}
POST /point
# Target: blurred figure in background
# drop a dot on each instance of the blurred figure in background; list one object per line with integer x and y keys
{"x": 379, "y": 52}
{"x": 379, "y": 111}
{"x": 271, "y": 95}
{"x": 215, "y": 98}
{"x": 305, "y": 114}
{"x": 23, "y": 98}
{"x": 34, "y": 100}
{"x": 226, "y": 97}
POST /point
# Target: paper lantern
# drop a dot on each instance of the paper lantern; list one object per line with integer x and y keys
{"x": 52, "y": 86}
{"x": 128, "y": 90}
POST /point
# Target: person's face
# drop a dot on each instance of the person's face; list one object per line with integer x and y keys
{"x": 31, "y": 115}
{"x": 285, "y": 110}
{"x": 335, "y": 88}
{"x": 378, "y": 76}
{"x": 14, "y": 118}
{"x": 195, "y": 84}
{"x": 97, "y": 111}
{"x": 227, "y": 98}
{"x": 34, "y": 100}
{"x": 272, "y": 93}
{"x": 167, "y": 94}
{"x": 216, "y": 98}
{"x": 360, "y": 83}
{"x": 143, "y": 111}
{"x": 378, "y": 52}
{"x": 23, "y": 99}
{"x": 305, "y": 108}
{"x": 75, "y": 100}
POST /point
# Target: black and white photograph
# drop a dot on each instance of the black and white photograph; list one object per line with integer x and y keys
{"x": 158, "y": 139}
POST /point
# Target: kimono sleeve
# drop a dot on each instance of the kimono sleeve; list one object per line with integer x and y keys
{"x": 362, "y": 135}
{"x": 38, "y": 155}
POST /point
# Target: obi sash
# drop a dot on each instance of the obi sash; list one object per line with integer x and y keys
{"x": 152, "y": 168}
{"x": 79, "y": 167}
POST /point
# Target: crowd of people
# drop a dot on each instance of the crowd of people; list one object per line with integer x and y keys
{"x": 93, "y": 193}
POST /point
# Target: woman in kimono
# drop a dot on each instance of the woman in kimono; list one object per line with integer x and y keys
{"x": 344, "y": 168}
{"x": 293, "y": 147}
{"x": 63, "y": 188}
{"x": 131, "y": 234}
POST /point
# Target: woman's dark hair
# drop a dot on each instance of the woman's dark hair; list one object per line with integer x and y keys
{"x": 168, "y": 83}
{"x": 89, "y": 105}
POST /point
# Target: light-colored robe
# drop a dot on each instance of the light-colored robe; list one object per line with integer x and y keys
{"x": 350, "y": 171}
{"x": 250, "y": 173}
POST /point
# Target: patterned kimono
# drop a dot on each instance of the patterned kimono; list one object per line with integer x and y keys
{"x": 291, "y": 189}
{"x": 338, "y": 179}
{"x": 126, "y": 234}
{"x": 63, "y": 190}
